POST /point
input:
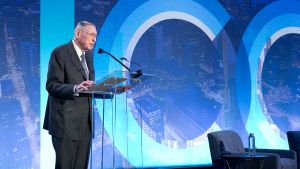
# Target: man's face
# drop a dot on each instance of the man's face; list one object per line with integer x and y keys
{"x": 86, "y": 37}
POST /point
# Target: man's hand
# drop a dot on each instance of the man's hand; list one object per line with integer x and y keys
{"x": 85, "y": 85}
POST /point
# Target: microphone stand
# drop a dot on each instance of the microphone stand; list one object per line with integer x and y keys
{"x": 136, "y": 74}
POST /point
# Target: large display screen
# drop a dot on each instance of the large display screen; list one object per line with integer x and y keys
{"x": 214, "y": 65}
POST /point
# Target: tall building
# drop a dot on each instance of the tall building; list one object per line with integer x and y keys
{"x": 28, "y": 50}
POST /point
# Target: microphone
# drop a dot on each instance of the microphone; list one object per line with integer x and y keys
{"x": 133, "y": 74}
{"x": 100, "y": 51}
{"x": 139, "y": 71}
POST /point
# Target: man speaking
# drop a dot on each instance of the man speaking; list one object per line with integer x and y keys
{"x": 68, "y": 112}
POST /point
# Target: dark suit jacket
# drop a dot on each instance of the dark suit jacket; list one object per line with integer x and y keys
{"x": 67, "y": 116}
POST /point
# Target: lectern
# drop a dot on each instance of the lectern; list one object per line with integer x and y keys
{"x": 107, "y": 88}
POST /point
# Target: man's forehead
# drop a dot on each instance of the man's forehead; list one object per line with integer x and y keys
{"x": 90, "y": 28}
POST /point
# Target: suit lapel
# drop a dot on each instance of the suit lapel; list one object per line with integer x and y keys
{"x": 75, "y": 60}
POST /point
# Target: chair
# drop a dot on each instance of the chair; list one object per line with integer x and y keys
{"x": 229, "y": 142}
{"x": 294, "y": 143}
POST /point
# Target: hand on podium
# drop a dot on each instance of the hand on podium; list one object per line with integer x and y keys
{"x": 85, "y": 85}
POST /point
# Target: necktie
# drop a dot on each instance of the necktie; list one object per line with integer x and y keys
{"x": 84, "y": 65}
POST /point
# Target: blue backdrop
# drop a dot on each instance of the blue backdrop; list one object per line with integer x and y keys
{"x": 216, "y": 65}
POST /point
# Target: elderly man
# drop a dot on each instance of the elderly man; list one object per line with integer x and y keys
{"x": 68, "y": 112}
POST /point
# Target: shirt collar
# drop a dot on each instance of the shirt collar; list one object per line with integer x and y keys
{"x": 77, "y": 49}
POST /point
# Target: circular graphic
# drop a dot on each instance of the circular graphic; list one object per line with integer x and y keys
{"x": 189, "y": 83}
{"x": 261, "y": 33}
{"x": 280, "y": 83}
{"x": 119, "y": 36}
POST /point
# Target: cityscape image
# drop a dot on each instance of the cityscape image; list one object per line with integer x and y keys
{"x": 212, "y": 65}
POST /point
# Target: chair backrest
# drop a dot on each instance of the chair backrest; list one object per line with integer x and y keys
{"x": 293, "y": 139}
{"x": 226, "y": 141}
{"x": 294, "y": 143}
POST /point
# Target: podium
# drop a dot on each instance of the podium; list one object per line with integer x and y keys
{"x": 106, "y": 89}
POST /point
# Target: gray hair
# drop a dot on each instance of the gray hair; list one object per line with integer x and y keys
{"x": 82, "y": 24}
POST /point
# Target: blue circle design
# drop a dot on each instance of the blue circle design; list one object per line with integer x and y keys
{"x": 115, "y": 36}
{"x": 263, "y": 28}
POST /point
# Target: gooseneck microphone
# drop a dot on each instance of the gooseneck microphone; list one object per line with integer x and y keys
{"x": 139, "y": 71}
{"x": 100, "y": 51}
{"x": 133, "y": 74}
